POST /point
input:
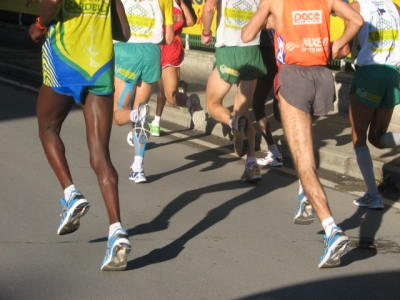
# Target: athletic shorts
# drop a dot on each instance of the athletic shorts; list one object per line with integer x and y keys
{"x": 137, "y": 62}
{"x": 172, "y": 55}
{"x": 239, "y": 63}
{"x": 310, "y": 89}
{"x": 80, "y": 92}
{"x": 376, "y": 86}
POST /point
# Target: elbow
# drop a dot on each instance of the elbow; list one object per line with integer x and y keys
{"x": 245, "y": 36}
{"x": 190, "y": 23}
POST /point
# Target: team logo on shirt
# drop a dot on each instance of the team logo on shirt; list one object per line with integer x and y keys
{"x": 307, "y": 17}
{"x": 100, "y": 7}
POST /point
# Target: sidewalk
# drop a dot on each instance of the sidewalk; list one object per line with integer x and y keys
{"x": 332, "y": 137}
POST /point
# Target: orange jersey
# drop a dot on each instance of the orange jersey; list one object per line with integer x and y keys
{"x": 304, "y": 38}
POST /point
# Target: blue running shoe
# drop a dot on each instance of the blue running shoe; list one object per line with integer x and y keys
{"x": 118, "y": 249}
{"x": 304, "y": 214}
{"x": 335, "y": 246}
{"x": 371, "y": 202}
{"x": 73, "y": 209}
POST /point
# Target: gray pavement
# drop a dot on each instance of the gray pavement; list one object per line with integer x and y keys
{"x": 22, "y": 59}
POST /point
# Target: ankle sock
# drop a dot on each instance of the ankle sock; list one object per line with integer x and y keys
{"x": 156, "y": 121}
{"x": 301, "y": 190}
{"x": 274, "y": 150}
{"x": 328, "y": 224}
{"x": 231, "y": 122}
{"x": 250, "y": 161}
{"x": 114, "y": 227}
{"x": 68, "y": 191}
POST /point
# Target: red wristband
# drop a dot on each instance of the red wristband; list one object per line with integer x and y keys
{"x": 206, "y": 35}
{"x": 38, "y": 26}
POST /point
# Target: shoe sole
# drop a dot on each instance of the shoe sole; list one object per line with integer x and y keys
{"x": 340, "y": 248}
{"x": 253, "y": 180}
{"x": 140, "y": 180}
{"x": 299, "y": 219}
{"x": 142, "y": 131}
{"x": 270, "y": 165}
{"x": 119, "y": 261}
{"x": 73, "y": 222}
{"x": 198, "y": 116}
{"x": 241, "y": 144}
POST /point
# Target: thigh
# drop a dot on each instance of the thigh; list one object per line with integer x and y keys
{"x": 98, "y": 113}
{"x": 217, "y": 89}
{"x": 170, "y": 79}
{"x": 123, "y": 95}
{"x": 142, "y": 93}
{"x": 52, "y": 108}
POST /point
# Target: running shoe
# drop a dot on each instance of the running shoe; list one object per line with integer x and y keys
{"x": 73, "y": 209}
{"x": 142, "y": 129}
{"x": 118, "y": 249}
{"x": 371, "y": 202}
{"x": 183, "y": 89}
{"x": 240, "y": 142}
{"x": 304, "y": 214}
{"x": 251, "y": 173}
{"x": 335, "y": 246}
{"x": 137, "y": 176}
{"x": 270, "y": 160}
{"x": 154, "y": 130}
{"x": 196, "y": 111}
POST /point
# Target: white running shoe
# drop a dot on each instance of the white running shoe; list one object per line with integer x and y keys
{"x": 137, "y": 176}
{"x": 270, "y": 160}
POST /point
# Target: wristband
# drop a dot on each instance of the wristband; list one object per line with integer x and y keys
{"x": 206, "y": 35}
{"x": 38, "y": 26}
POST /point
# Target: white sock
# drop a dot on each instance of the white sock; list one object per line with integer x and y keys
{"x": 231, "y": 122}
{"x": 114, "y": 227}
{"x": 364, "y": 162}
{"x": 137, "y": 163}
{"x": 156, "y": 121}
{"x": 301, "y": 191}
{"x": 134, "y": 115}
{"x": 390, "y": 139}
{"x": 250, "y": 161}
{"x": 274, "y": 150}
{"x": 328, "y": 224}
{"x": 68, "y": 191}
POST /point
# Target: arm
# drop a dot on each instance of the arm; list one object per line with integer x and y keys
{"x": 257, "y": 22}
{"x": 50, "y": 9}
{"x": 207, "y": 17}
{"x": 189, "y": 20}
{"x": 120, "y": 26}
{"x": 353, "y": 22}
{"x": 169, "y": 34}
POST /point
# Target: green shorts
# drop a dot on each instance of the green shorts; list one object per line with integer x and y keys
{"x": 376, "y": 86}
{"x": 137, "y": 62}
{"x": 239, "y": 63}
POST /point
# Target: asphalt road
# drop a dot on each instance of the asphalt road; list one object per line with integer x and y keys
{"x": 197, "y": 231}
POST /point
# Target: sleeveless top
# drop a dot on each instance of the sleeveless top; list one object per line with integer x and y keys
{"x": 146, "y": 19}
{"x": 179, "y": 18}
{"x": 304, "y": 38}
{"x": 232, "y": 17}
{"x": 378, "y": 40}
{"x": 78, "y": 50}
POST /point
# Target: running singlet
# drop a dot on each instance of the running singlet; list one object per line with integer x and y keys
{"x": 379, "y": 37}
{"x": 232, "y": 17}
{"x": 78, "y": 50}
{"x": 178, "y": 18}
{"x": 304, "y": 38}
{"x": 146, "y": 19}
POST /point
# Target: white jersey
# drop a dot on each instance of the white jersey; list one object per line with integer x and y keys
{"x": 145, "y": 19}
{"x": 233, "y": 15}
{"x": 378, "y": 40}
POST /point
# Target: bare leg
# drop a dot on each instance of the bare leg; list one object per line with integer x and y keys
{"x": 297, "y": 127}
{"x": 52, "y": 109}
{"x": 98, "y": 112}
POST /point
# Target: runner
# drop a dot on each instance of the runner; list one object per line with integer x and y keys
{"x": 374, "y": 90}
{"x": 169, "y": 87}
{"x": 136, "y": 74}
{"x": 305, "y": 88}
{"x": 78, "y": 62}
{"x": 236, "y": 63}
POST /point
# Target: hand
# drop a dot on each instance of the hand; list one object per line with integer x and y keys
{"x": 35, "y": 33}
{"x": 206, "y": 40}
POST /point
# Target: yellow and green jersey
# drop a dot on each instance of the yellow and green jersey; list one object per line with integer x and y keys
{"x": 78, "y": 50}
